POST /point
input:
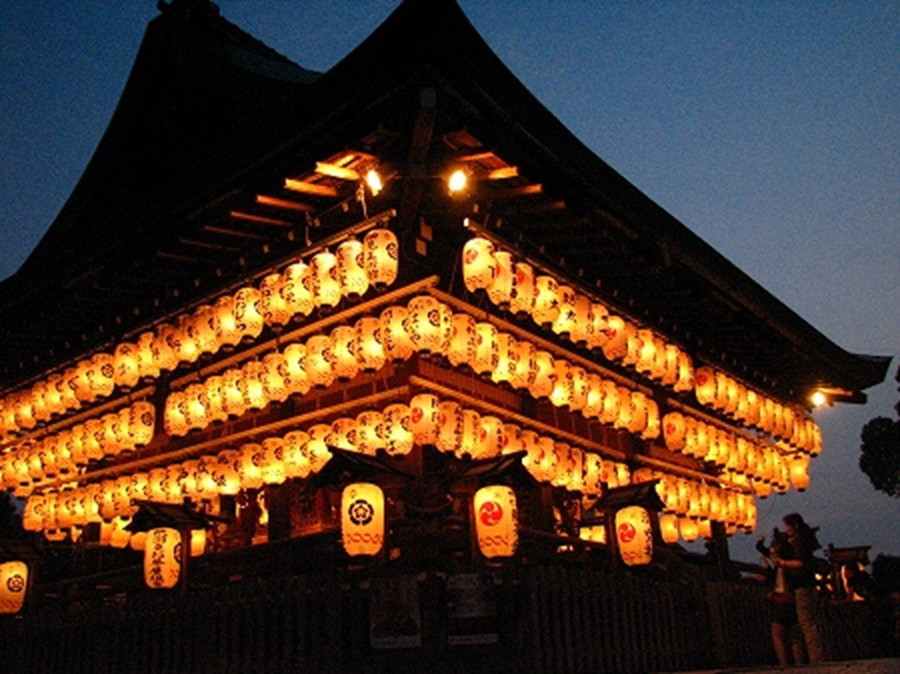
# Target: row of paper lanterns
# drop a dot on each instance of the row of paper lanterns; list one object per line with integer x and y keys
{"x": 512, "y": 284}
{"x": 722, "y": 392}
{"x": 424, "y": 420}
{"x": 425, "y": 325}
{"x": 64, "y": 453}
{"x": 764, "y": 465}
{"x": 698, "y": 500}
{"x": 296, "y": 292}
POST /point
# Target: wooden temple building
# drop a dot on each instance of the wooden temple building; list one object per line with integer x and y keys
{"x": 381, "y": 369}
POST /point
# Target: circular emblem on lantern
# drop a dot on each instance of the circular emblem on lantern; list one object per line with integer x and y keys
{"x": 361, "y": 512}
{"x": 490, "y": 513}
{"x": 15, "y": 583}
{"x": 627, "y": 532}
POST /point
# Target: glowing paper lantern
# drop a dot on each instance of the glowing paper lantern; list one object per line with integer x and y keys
{"x": 634, "y": 535}
{"x": 13, "y": 586}
{"x": 496, "y": 521}
{"x": 381, "y": 257}
{"x": 500, "y": 289}
{"x": 424, "y": 414}
{"x": 398, "y": 434}
{"x": 542, "y": 380}
{"x": 705, "y": 385}
{"x": 369, "y": 351}
{"x": 394, "y": 338}
{"x": 225, "y": 472}
{"x": 668, "y": 527}
{"x": 101, "y": 375}
{"x": 343, "y": 352}
{"x": 799, "y": 472}
{"x": 162, "y": 558}
{"x": 202, "y": 329}
{"x": 486, "y": 349}
{"x": 523, "y": 375}
{"x": 351, "y": 271}
{"x": 582, "y": 326}
{"x": 273, "y": 380}
{"x": 618, "y": 331}
{"x": 565, "y": 318}
{"x": 273, "y": 469}
{"x": 127, "y": 370}
{"x": 248, "y": 320}
{"x": 362, "y": 519}
{"x": 521, "y": 300}
{"x": 297, "y": 289}
{"x": 274, "y": 308}
{"x": 224, "y": 322}
{"x": 251, "y": 462}
{"x": 463, "y": 340}
{"x": 296, "y": 462}
{"x": 318, "y": 361}
{"x": 450, "y": 426}
{"x": 469, "y": 434}
{"x": 370, "y": 432}
{"x": 479, "y": 265}
{"x": 507, "y": 359}
{"x": 546, "y": 301}
{"x": 323, "y": 274}
{"x": 428, "y": 324}
{"x": 295, "y": 374}
{"x": 316, "y": 448}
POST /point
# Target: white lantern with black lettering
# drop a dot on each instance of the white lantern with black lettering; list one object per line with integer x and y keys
{"x": 362, "y": 519}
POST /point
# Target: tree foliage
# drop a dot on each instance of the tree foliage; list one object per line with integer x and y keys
{"x": 880, "y": 458}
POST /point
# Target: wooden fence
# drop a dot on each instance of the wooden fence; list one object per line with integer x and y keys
{"x": 544, "y": 618}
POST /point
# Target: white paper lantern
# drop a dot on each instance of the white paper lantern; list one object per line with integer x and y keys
{"x": 496, "y": 521}
{"x": 362, "y": 519}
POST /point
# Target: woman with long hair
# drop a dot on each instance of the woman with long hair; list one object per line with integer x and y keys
{"x": 798, "y": 562}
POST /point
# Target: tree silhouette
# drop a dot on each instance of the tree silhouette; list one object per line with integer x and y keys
{"x": 880, "y": 458}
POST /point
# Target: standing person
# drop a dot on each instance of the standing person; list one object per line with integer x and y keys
{"x": 783, "y": 613}
{"x": 797, "y": 560}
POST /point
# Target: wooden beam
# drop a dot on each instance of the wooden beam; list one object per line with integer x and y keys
{"x": 285, "y": 204}
{"x": 305, "y": 187}
{"x": 259, "y": 219}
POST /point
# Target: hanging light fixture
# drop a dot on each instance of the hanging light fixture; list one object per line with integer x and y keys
{"x": 369, "y": 351}
{"x": 274, "y": 308}
{"x": 13, "y": 586}
{"x": 381, "y": 257}
{"x": 634, "y": 535}
{"x": 428, "y": 324}
{"x": 325, "y": 286}
{"x": 479, "y": 265}
{"x": 162, "y": 563}
{"x": 362, "y": 519}
{"x": 343, "y": 350}
{"x": 247, "y": 317}
{"x": 394, "y": 338}
{"x": 425, "y": 418}
{"x": 398, "y": 433}
{"x": 297, "y": 289}
{"x": 351, "y": 269}
{"x": 496, "y": 521}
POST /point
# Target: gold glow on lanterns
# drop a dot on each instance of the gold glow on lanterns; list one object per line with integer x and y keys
{"x": 634, "y": 535}
{"x": 362, "y": 519}
{"x": 496, "y": 521}
{"x": 162, "y": 558}
{"x": 13, "y": 586}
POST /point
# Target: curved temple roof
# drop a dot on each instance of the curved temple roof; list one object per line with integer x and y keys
{"x": 211, "y": 117}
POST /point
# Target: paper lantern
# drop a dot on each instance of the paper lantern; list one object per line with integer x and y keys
{"x": 507, "y": 359}
{"x": 579, "y": 389}
{"x": 247, "y": 317}
{"x": 186, "y": 347}
{"x": 546, "y": 301}
{"x": 295, "y": 374}
{"x": 202, "y": 329}
{"x": 463, "y": 340}
{"x": 370, "y": 432}
{"x": 521, "y": 300}
{"x": 127, "y": 370}
{"x": 705, "y": 385}
{"x": 634, "y": 535}
{"x": 394, "y": 338}
{"x": 564, "y": 323}
{"x": 500, "y": 289}
{"x": 582, "y": 325}
{"x": 542, "y": 378}
{"x": 273, "y": 379}
{"x": 362, "y": 519}
{"x": 618, "y": 332}
{"x": 381, "y": 257}
{"x": 323, "y": 275}
{"x": 224, "y": 324}
{"x": 297, "y": 291}
{"x": 273, "y": 468}
{"x": 593, "y": 403}
{"x": 450, "y": 426}
{"x": 523, "y": 375}
{"x": 316, "y": 448}
{"x": 162, "y": 558}
{"x": 351, "y": 270}
{"x": 296, "y": 462}
{"x": 174, "y": 414}
{"x": 496, "y": 521}
{"x": 479, "y": 265}
{"x": 486, "y": 349}
{"x": 799, "y": 472}
{"x": 469, "y": 434}
{"x": 688, "y": 529}
{"x": 593, "y": 473}
{"x": 561, "y": 396}
{"x": 13, "y": 586}
{"x": 511, "y": 439}
{"x": 668, "y": 527}
{"x": 225, "y": 472}
{"x": 369, "y": 350}
{"x": 273, "y": 307}
{"x": 196, "y": 416}
{"x": 428, "y": 324}
{"x": 101, "y": 375}
{"x": 318, "y": 361}
{"x": 343, "y": 352}
{"x": 597, "y": 332}
{"x": 343, "y": 434}
{"x": 424, "y": 415}
{"x": 398, "y": 434}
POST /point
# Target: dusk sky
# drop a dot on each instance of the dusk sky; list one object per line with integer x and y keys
{"x": 771, "y": 129}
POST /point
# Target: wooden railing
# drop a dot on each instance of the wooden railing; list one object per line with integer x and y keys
{"x": 547, "y": 618}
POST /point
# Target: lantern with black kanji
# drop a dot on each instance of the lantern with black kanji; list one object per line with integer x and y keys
{"x": 162, "y": 558}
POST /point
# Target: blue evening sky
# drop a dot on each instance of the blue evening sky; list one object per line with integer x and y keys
{"x": 771, "y": 129}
